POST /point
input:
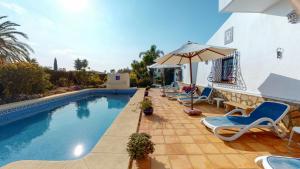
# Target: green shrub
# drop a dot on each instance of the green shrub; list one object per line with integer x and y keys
{"x": 61, "y": 78}
{"x": 133, "y": 79}
{"x": 63, "y": 82}
{"x": 144, "y": 82}
{"x": 23, "y": 79}
{"x": 94, "y": 80}
{"x": 145, "y": 104}
{"x": 139, "y": 146}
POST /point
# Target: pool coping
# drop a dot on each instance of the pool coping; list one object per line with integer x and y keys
{"x": 110, "y": 151}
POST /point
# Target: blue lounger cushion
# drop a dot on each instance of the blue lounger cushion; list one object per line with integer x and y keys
{"x": 225, "y": 121}
{"x": 187, "y": 98}
{"x": 283, "y": 162}
{"x": 270, "y": 110}
{"x": 206, "y": 92}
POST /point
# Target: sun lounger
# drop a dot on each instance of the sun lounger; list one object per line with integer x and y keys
{"x": 205, "y": 96}
{"x": 278, "y": 162}
{"x": 266, "y": 115}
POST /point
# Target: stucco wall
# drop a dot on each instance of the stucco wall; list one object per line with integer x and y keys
{"x": 186, "y": 73}
{"x": 122, "y": 83}
{"x": 257, "y": 36}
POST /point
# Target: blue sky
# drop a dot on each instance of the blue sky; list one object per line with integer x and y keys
{"x": 110, "y": 33}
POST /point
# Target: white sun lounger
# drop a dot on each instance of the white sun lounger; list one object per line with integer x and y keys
{"x": 266, "y": 115}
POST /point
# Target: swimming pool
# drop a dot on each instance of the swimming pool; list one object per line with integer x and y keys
{"x": 67, "y": 132}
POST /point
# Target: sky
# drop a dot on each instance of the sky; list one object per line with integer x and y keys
{"x": 110, "y": 34}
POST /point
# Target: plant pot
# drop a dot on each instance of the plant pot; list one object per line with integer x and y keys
{"x": 146, "y": 93}
{"x": 142, "y": 163}
{"x": 148, "y": 111}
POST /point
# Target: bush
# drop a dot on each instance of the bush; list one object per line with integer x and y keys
{"x": 63, "y": 82}
{"x": 144, "y": 82}
{"x": 23, "y": 79}
{"x": 82, "y": 78}
{"x": 133, "y": 80}
{"x": 139, "y": 146}
{"x": 94, "y": 80}
{"x": 145, "y": 104}
{"x": 61, "y": 78}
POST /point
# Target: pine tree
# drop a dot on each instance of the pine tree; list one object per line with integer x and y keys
{"x": 55, "y": 65}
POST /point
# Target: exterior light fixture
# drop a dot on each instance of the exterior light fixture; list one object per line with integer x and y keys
{"x": 279, "y": 52}
{"x": 293, "y": 17}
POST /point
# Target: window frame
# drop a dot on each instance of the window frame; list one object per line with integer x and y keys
{"x": 229, "y": 78}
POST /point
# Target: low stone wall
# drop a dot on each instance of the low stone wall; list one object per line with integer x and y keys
{"x": 292, "y": 119}
{"x": 249, "y": 100}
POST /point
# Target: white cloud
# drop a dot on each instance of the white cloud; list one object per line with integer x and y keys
{"x": 14, "y": 7}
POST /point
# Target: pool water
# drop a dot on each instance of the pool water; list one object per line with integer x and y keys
{"x": 64, "y": 133}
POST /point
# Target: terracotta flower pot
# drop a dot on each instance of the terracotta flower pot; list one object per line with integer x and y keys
{"x": 146, "y": 93}
{"x": 143, "y": 163}
{"x": 148, "y": 111}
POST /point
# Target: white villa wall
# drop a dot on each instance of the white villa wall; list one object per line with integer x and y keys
{"x": 186, "y": 73}
{"x": 257, "y": 36}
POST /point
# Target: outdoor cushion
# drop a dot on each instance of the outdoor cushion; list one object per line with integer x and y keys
{"x": 271, "y": 110}
{"x": 225, "y": 121}
{"x": 206, "y": 91}
{"x": 283, "y": 162}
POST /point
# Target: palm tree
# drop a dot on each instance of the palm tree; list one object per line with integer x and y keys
{"x": 11, "y": 48}
{"x": 150, "y": 55}
{"x": 31, "y": 60}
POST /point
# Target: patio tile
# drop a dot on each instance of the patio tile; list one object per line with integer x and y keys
{"x": 160, "y": 149}
{"x": 113, "y": 161}
{"x": 189, "y": 126}
{"x": 200, "y": 139}
{"x": 192, "y": 149}
{"x": 242, "y": 148}
{"x": 209, "y": 148}
{"x": 240, "y": 161}
{"x": 171, "y": 139}
{"x": 181, "y": 132}
{"x": 176, "y": 149}
{"x": 224, "y": 148}
{"x": 189, "y": 144}
{"x": 186, "y": 139}
{"x": 194, "y": 131}
{"x": 200, "y": 162}
{"x": 158, "y": 139}
{"x": 160, "y": 162}
{"x": 157, "y": 132}
{"x": 76, "y": 165}
{"x": 180, "y": 162}
{"x": 214, "y": 139}
{"x": 168, "y": 132}
{"x": 220, "y": 161}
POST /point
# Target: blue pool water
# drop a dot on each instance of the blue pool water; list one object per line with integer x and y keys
{"x": 64, "y": 133}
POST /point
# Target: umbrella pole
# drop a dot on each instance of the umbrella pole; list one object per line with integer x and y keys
{"x": 191, "y": 78}
{"x": 163, "y": 80}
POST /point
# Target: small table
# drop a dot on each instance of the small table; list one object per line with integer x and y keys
{"x": 218, "y": 100}
{"x": 294, "y": 130}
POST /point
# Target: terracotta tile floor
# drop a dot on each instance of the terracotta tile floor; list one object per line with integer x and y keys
{"x": 182, "y": 142}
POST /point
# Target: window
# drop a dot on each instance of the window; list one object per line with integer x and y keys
{"x": 227, "y": 70}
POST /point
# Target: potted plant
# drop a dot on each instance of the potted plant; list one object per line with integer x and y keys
{"x": 139, "y": 147}
{"x": 146, "y": 93}
{"x": 146, "y": 106}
